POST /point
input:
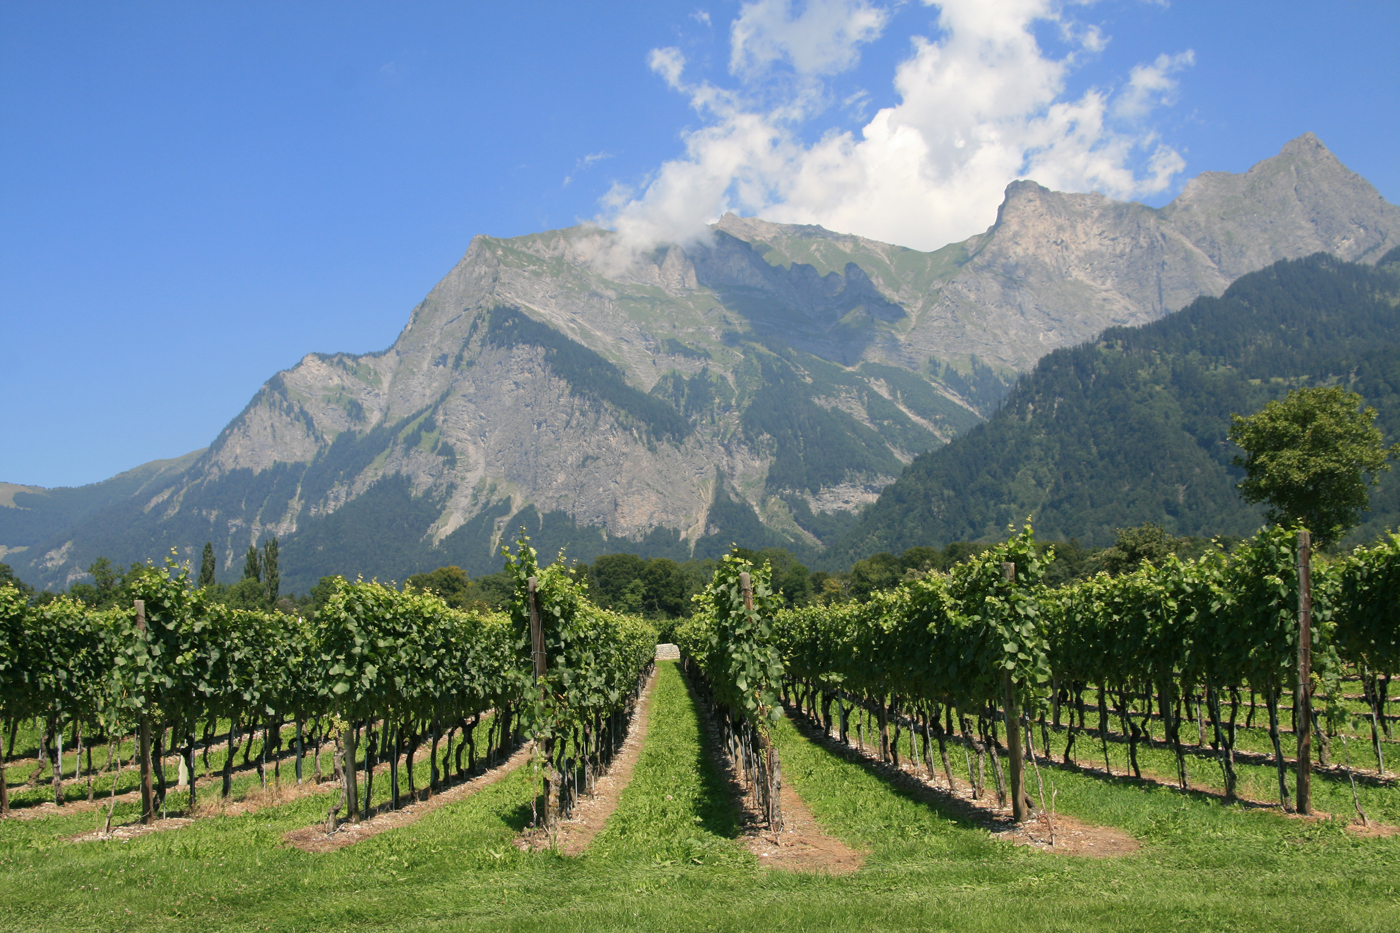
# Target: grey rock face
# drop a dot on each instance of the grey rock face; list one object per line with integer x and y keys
{"x": 1300, "y": 202}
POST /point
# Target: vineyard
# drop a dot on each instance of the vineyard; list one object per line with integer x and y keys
{"x": 1201, "y": 707}
{"x": 1159, "y": 648}
{"x": 380, "y": 676}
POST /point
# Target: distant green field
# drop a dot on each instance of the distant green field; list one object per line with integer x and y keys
{"x": 668, "y": 859}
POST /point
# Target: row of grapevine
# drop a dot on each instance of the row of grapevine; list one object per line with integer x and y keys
{"x": 729, "y": 648}
{"x": 941, "y": 653}
{"x": 394, "y": 668}
{"x": 171, "y": 660}
{"x": 951, "y": 655}
{"x": 1192, "y": 631}
{"x": 1368, "y": 631}
{"x": 381, "y": 673}
{"x": 589, "y": 668}
{"x": 380, "y": 670}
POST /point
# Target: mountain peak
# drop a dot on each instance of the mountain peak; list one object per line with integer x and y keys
{"x": 1301, "y": 201}
{"x": 1307, "y": 144}
{"x": 756, "y": 228}
{"x": 1025, "y": 200}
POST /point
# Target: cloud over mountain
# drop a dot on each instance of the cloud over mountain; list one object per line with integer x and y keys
{"x": 980, "y": 103}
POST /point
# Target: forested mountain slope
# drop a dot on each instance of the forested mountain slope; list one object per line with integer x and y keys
{"x": 1131, "y": 427}
{"x": 30, "y": 515}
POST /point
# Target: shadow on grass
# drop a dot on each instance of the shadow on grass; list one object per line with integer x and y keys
{"x": 1333, "y": 775}
{"x": 723, "y": 795}
{"x": 965, "y": 813}
{"x": 1199, "y": 794}
{"x": 520, "y": 817}
{"x": 1334, "y": 772}
{"x": 970, "y": 813}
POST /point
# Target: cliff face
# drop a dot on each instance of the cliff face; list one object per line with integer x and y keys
{"x": 765, "y": 382}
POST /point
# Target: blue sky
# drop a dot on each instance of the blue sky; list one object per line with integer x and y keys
{"x": 194, "y": 196}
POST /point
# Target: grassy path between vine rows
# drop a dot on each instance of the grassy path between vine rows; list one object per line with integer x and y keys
{"x": 803, "y": 845}
{"x": 675, "y": 809}
{"x": 675, "y": 864}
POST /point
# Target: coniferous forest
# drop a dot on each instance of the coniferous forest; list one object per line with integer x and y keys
{"x": 1131, "y": 427}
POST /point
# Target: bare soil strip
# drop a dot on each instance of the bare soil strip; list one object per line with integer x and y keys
{"x": 129, "y": 831}
{"x": 316, "y": 839}
{"x": 803, "y": 845}
{"x": 591, "y": 813}
{"x": 1070, "y": 836}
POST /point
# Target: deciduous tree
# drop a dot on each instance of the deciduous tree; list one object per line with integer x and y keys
{"x": 1311, "y": 457}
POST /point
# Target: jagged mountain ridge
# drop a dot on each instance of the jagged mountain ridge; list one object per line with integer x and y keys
{"x": 763, "y": 383}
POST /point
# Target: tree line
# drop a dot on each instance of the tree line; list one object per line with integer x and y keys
{"x": 658, "y": 589}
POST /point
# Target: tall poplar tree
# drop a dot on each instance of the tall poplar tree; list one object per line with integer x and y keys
{"x": 206, "y": 566}
{"x": 272, "y": 580}
{"x": 252, "y": 564}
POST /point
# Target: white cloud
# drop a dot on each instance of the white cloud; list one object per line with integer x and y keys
{"x": 1150, "y": 86}
{"x": 823, "y": 37}
{"x": 669, "y": 63}
{"x": 586, "y": 163}
{"x": 980, "y": 104}
{"x": 701, "y": 16}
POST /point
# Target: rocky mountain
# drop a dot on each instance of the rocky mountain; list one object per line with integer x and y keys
{"x": 762, "y": 383}
{"x": 1131, "y": 427}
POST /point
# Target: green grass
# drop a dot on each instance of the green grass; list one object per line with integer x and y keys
{"x": 1331, "y": 792}
{"x": 675, "y": 810}
{"x": 672, "y": 864}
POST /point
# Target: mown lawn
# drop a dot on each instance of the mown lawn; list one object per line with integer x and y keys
{"x": 668, "y": 860}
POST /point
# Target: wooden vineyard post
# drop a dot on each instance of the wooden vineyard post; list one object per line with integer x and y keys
{"x": 4, "y": 785}
{"x": 348, "y": 770}
{"x": 1014, "y": 739}
{"x": 746, "y": 587}
{"x": 537, "y": 655}
{"x": 1303, "y": 701}
{"x": 148, "y": 810}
